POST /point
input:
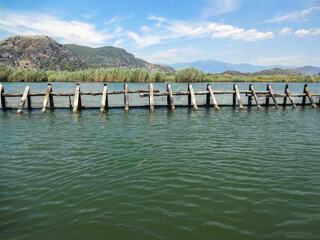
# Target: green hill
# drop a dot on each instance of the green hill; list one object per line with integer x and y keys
{"x": 110, "y": 57}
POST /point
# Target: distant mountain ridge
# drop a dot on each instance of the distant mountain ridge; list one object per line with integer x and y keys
{"x": 110, "y": 57}
{"x": 214, "y": 66}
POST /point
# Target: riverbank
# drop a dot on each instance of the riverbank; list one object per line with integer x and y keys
{"x": 9, "y": 74}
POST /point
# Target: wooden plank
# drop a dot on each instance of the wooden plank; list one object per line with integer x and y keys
{"x": 192, "y": 98}
{"x": 46, "y": 98}
{"x": 126, "y": 98}
{"x": 255, "y": 96}
{"x": 306, "y": 90}
{"x": 213, "y": 98}
{"x": 23, "y": 99}
{"x": 170, "y": 99}
{"x": 77, "y": 99}
{"x": 272, "y": 95}
{"x": 151, "y": 98}
{"x": 2, "y": 98}
{"x": 104, "y": 100}
{"x": 238, "y": 96}
{"x": 290, "y": 97}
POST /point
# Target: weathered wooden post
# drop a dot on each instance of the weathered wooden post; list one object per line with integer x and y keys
{"x": 192, "y": 98}
{"x": 267, "y": 99}
{"x": 126, "y": 98}
{"x": 151, "y": 98}
{"x": 23, "y": 99}
{"x": 285, "y": 98}
{"x": 211, "y": 95}
{"x": 234, "y": 97}
{"x": 272, "y": 95}
{"x": 170, "y": 99}
{"x": 254, "y": 95}
{"x": 306, "y": 91}
{"x": 250, "y": 97}
{"x": 235, "y": 87}
{"x": 77, "y": 99}
{"x": 289, "y": 96}
{"x": 46, "y": 98}
{"x": 51, "y": 100}
{"x": 2, "y": 98}
{"x": 104, "y": 101}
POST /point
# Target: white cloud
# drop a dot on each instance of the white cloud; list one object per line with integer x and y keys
{"x": 31, "y": 23}
{"x": 293, "y": 16}
{"x": 299, "y": 60}
{"x": 218, "y": 7}
{"x": 302, "y": 33}
{"x": 285, "y": 31}
{"x": 168, "y": 29}
{"x": 316, "y": 31}
{"x": 118, "y": 43}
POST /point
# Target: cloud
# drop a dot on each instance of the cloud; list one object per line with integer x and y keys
{"x": 316, "y": 31}
{"x": 298, "y": 60}
{"x": 302, "y": 33}
{"x": 168, "y": 29}
{"x": 32, "y": 23}
{"x": 293, "y": 16}
{"x": 285, "y": 31}
{"x": 219, "y": 7}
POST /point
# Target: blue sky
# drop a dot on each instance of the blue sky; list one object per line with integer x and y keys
{"x": 261, "y": 32}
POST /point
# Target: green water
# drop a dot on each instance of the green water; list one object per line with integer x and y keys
{"x": 252, "y": 174}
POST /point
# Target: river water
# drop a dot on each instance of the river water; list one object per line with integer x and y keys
{"x": 251, "y": 174}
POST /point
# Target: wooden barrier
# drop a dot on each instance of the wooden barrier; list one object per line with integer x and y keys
{"x": 152, "y": 93}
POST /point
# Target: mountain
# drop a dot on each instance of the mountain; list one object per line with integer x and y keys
{"x": 309, "y": 70}
{"x": 37, "y": 52}
{"x": 110, "y": 57}
{"x": 213, "y": 66}
{"x": 273, "y": 71}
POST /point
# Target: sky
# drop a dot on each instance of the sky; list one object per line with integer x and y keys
{"x": 260, "y": 32}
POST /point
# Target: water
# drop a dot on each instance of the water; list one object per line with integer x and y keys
{"x": 252, "y": 174}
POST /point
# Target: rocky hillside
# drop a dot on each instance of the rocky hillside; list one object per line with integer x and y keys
{"x": 38, "y": 52}
{"x": 110, "y": 57}
{"x": 273, "y": 71}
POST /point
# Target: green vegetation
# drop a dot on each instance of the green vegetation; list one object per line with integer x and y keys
{"x": 9, "y": 74}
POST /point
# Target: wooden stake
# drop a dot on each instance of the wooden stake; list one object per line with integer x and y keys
{"x": 306, "y": 90}
{"x": 267, "y": 99}
{"x": 170, "y": 100}
{"x": 46, "y": 98}
{"x": 289, "y": 96}
{"x": 238, "y": 96}
{"x": 272, "y": 95}
{"x": 104, "y": 101}
{"x": 285, "y": 98}
{"x": 250, "y": 98}
{"x": 77, "y": 99}
{"x": 214, "y": 101}
{"x": 3, "y": 99}
{"x": 126, "y": 98}
{"x": 254, "y": 95}
{"x": 192, "y": 97}
{"x": 151, "y": 98}
{"x": 23, "y": 99}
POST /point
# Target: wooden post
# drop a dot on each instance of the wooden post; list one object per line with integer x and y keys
{"x": 51, "y": 99}
{"x": 285, "y": 98}
{"x": 289, "y": 96}
{"x": 126, "y": 98}
{"x": 24, "y": 99}
{"x": 234, "y": 97}
{"x": 238, "y": 96}
{"x": 267, "y": 99}
{"x": 254, "y": 95}
{"x": 306, "y": 90}
{"x": 77, "y": 99}
{"x": 29, "y": 102}
{"x": 3, "y": 99}
{"x": 214, "y": 101}
{"x": 304, "y": 97}
{"x": 104, "y": 101}
{"x": 170, "y": 100}
{"x": 46, "y": 98}
{"x": 250, "y": 98}
{"x": 272, "y": 95}
{"x": 151, "y": 98}
{"x": 192, "y": 97}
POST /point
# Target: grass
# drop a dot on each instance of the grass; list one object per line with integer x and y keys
{"x": 9, "y": 74}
